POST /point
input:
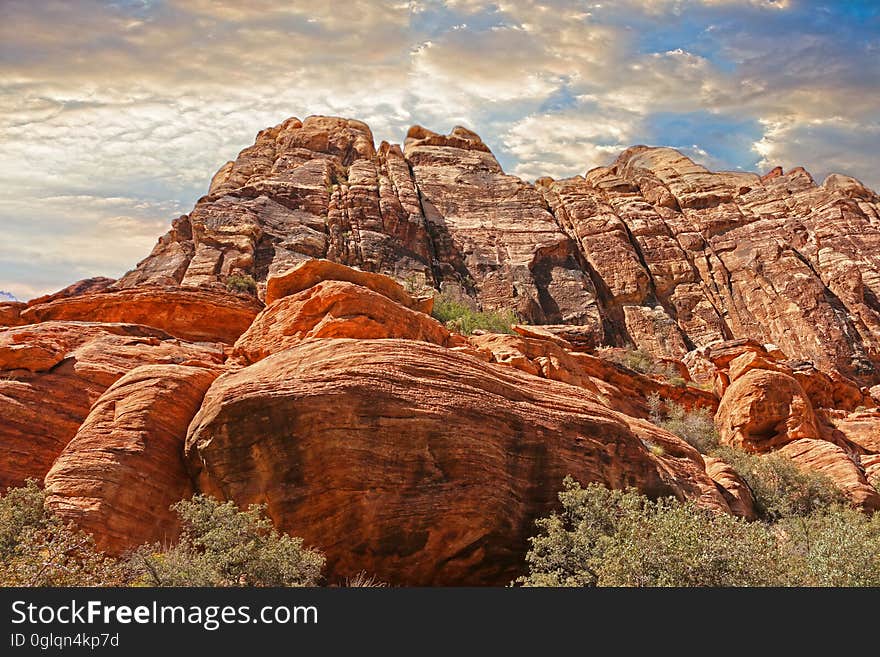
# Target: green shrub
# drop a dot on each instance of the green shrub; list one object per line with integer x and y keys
{"x": 608, "y": 537}
{"x": 635, "y": 359}
{"x": 38, "y": 549}
{"x": 781, "y": 489}
{"x": 460, "y": 317}
{"x": 222, "y": 546}
{"x": 241, "y": 283}
{"x": 838, "y": 546}
{"x": 643, "y": 362}
{"x": 695, "y": 427}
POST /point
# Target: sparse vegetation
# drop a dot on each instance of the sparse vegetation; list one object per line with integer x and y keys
{"x": 695, "y": 427}
{"x": 605, "y": 537}
{"x": 38, "y": 549}
{"x": 363, "y": 580}
{"x": 643, "y": 362}
{"x": 780, "y": 488}
{"x": 222, "y": 546}
{"x": 241, "y": 283}
{"x": 219, "y": 546}
{"x": 460, "y": 317}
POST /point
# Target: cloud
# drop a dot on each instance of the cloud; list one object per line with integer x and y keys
{"x": 114, "y": 115}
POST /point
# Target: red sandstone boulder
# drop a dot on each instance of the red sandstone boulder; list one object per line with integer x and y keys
{"x": 312, "y": 272}
{"x": 410, "y": 461}
{"x": 844, "y": 470}
{"x": 124, "y": 468}
{"x": 334, "y": 309}
{"x": 52, "y": 373}
{"x": 763, "y": 410}
{"x": 191, "y": 314}
{"x": 10, "y": 313}
{"x": 734, "y": 489}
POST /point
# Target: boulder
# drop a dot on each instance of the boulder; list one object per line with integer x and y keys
{"x": 190, "y": 314}
{"x": 415, "y": 463}
{"x": 124, "y": 468}
{"x": 763, "y": 410}
{"x": 334, "y": 309}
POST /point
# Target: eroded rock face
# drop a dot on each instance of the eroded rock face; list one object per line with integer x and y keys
{"x": 493, "y": 234}
{"x": 411, "y": 461}
{"x": 654, "y": 250}
{"x": 191, "y": 314}
{"x": 124, "y": 468}
{"x": 763, "y": 410}
{"x": 10, "y": 313}
{"x": 52, "y": 373}
{"x": 334, "y": 309}
{"x": 311, "y": 272}
{"x": 832, "y": 461}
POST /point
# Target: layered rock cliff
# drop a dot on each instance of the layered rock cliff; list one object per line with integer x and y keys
{"x": 395, "y": 444}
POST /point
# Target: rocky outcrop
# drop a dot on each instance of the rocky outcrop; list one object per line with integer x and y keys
{"x": 85, "y": 286}
{"x": 334, "y": 309}
{"x": 191, "y": 314}
{"x": 829, "y": 459}
{"x": 10, "y": 313}
{"x": 311, "y": 272}
{"x": 395, "y": 444}
{"x": 52, "y": 373}
{"x": 419, "y": 464}
{"x": 653, "y": 251}
{"x": 124, "y": 468}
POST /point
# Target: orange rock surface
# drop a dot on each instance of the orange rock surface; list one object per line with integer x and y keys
{"x": 10, "y": 313}
{"x": 124, "y": 468}
{"x": 334, "y": 309}
{"x": 191, "y": 314}
{"x": 418, "y": 464}
{"x": 312, "y": 272}
{"x": 763, "y": 410}
{"x": 842, "y": 468}
{"x": 52, "y": 373}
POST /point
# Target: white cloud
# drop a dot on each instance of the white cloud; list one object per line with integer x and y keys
{"x": 113, "y": 125}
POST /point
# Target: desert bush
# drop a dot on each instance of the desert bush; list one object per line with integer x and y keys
{"x": 635, "y": 359}
{"x": 220, "y": 545}
{"x": 460, "y": 317}
{"x": 363, "y": 580}
{"x": 695, "y": 426}
{"x": 38, "y": 549}
{"x": 608, "y": 537}
{"x": 837, "y": 546}
{"x": 243, "y": 283}
{"x": 781, "y": 489}
{"x": 643, "y": 362}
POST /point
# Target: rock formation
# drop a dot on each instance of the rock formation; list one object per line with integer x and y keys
{"x": 277, "y": 346}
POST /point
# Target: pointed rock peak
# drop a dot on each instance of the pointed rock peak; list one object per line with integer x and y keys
{"x": 848, "y": 186}
{"x": 775, "y": 172}
{"x": 656, "y": 159}
{"x": 800, "y": 172}
{"x": 386, "y": 149}
{"x": 459, "y": 138}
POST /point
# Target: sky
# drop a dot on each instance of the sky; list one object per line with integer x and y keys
{"x": 115, "y": 115}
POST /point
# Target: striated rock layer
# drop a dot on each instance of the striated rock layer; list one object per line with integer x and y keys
{"x": 124, "y": 468}
{"x": 654, "y": 250}
{"x": 416, "y": 463}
